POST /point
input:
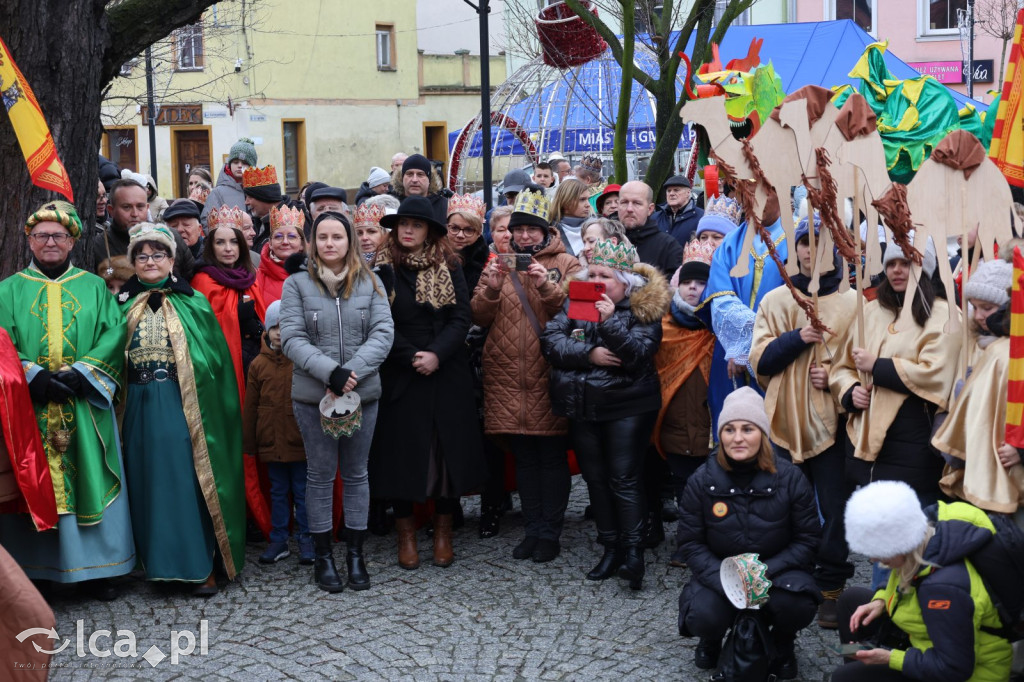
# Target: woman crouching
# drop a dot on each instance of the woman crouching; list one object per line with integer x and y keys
{"x": 604, "y": 380}
{"x": 745, "y": 500}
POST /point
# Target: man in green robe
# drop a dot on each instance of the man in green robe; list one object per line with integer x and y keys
{"x": 70, "y": 337}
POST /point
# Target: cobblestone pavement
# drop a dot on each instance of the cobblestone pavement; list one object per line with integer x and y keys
{"x": 487, "y": 617}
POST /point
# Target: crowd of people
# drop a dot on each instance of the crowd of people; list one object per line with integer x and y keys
{"x": 228, "y": 358}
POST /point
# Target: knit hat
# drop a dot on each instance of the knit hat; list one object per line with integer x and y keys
{"x": 150, "y": 232}
{"x": 803, "y": 227}
{"x": 378, "y": 176}
{"x": 884, "y": 520}
{"x": 261, "y": 184}
{"x": 416, "y": 162}
{"x": 58, "y": 212}
{"x": 990, "y": 282}
{"x": 894, "y": 252}
{"x": 696, "y": 261}
{"x": 273, "y": 316}
{"x": 743, "y": 405}
{"x": 531, "y": 208}
{"x": 244, "y": 149}
{"x": 721, "y": 215}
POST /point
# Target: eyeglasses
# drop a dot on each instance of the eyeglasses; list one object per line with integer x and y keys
{"x": 44, "y": 237}
{"x": 291, "y": 236}
{"x": 144, "y": 258}
{"x": 462, "y": 230}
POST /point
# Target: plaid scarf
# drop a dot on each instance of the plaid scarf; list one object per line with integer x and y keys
{"x": 433, "y": 278}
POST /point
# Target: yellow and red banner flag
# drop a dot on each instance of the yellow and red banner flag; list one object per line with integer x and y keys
{"x": 1015, "y": 386}
{"x": 44, "y": 166}
{"x": 1007, "y": 147}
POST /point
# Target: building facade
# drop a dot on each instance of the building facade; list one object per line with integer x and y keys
{"x": 923, "y": 33}
{"x": 326, "y": 90}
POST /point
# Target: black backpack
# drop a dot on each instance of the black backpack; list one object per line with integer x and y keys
{"x": 1000, "y": 563}
{"x": 749, "y": 650}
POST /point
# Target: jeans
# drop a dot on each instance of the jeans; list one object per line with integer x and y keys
{"x": 542, "y": 476}
{"x": 287, "y": 477}
{"x": 323, "y": 456}
{"x": 611, "y": 458}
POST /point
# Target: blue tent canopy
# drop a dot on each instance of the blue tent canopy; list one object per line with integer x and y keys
{"x": 576, "y": 112}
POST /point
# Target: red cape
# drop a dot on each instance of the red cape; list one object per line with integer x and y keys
{"x": 24, "y": 444}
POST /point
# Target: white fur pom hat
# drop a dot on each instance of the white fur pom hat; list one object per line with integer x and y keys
{"x": 884, "y": 520}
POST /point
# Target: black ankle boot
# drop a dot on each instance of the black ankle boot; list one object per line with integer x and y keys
{"x": 632, "y": 568}
{"x": 324, "y": 571}
{"x": 490, "y": 523}
{"x": 609, "y": 564}
{"x": 705, "y": 656}
{"x": 785, "y": 652}
{"x": 358, "y": 578}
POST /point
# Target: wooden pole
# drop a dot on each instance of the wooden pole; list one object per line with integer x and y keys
{"x": 813, "y": 244}
{"x": 965, "y": 269}
{"x": 859, "y": 267}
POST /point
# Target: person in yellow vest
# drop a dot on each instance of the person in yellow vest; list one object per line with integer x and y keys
{"x": 935, "y": 612}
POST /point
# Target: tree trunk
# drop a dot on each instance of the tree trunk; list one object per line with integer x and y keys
{"x": 62, "y": 60}
{"x": 625, "y": 94}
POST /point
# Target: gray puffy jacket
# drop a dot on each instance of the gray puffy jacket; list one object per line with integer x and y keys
{"x": 320, "y": 333}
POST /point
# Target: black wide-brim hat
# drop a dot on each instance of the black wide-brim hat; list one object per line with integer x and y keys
{"x": 416, "y": 207}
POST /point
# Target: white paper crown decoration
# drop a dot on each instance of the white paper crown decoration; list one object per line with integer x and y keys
{"x": 745, "y": 581}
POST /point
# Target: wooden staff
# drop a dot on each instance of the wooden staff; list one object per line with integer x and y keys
{"x": 859, "y": 266}
{"x": 812, "y": 243}
{"x": 965, "y": 268}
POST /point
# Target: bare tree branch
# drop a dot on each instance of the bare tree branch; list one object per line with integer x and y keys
{"x": 612, "y": 40}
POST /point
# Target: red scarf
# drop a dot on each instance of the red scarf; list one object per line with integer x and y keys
{"x": 270, "y": 276}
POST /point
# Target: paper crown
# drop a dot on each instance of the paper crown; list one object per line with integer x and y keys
{"x": 616, "y": 256}
{"x": 225, "y": 216}
{"x": 745, "y": 581}
{"x": 592, "y": 163}
{"x": 725, "y": 207}
{"x": 533, "y": 204}
{"x": 697, "y": 251}
{"x": 259, "y": 177}
{"x": 467, "y": 203}
{"x": 287, "y": 217}
{"x": 369, "y": 215}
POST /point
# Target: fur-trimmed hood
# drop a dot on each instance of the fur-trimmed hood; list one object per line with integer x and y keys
{"x": 650, "y": 302}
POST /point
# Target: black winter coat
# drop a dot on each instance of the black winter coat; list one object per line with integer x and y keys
{"x": 681, "y": 224}
{"x": 474, "y": 260}
{"x": 774, "y": 516}
{"x": 413, "y": 407}
{"x": 656, "y": 248}
{"x": 584, "y": 391}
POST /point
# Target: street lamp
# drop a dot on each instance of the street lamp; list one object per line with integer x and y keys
{"x": 483, "y": 8}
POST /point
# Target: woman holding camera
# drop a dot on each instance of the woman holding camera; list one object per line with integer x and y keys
{"x": 515, "y": 303}
{"x": 605, "y": 382}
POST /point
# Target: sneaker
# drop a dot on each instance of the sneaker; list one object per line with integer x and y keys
{"x": 306, "y": 554}
{"x": 275, "y": 552}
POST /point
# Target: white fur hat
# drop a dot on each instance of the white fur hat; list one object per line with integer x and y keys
{"x": 990, "y": 282}
{"x": 884, "y": 520}
{"x": 928, "y": 262}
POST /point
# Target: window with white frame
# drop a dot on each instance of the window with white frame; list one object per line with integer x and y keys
{"x": 861, "y": 12}
{"x": 939, "y": 17}
{"x": 385, "y": 47}
{"x": 188, "y": 47}
{"x": 742, "y": 20}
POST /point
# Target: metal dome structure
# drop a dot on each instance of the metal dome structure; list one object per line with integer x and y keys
{"x": 541, "y": 110}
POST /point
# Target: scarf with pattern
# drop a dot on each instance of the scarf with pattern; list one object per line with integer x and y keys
{"x": 434, "y": 285}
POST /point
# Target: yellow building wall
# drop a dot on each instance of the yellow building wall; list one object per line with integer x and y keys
{"x": 315, "y": 62}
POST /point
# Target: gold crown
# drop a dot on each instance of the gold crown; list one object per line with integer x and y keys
{"x": 697, "y": 251}
{"x": 287, "y": 217}
{"x": 467, "y": 203}
{"x": 592, "y": 163}
{"x": 616, "y": 256}
{"x": 368, "y": 215}
{"x": 532, "y": 203}
{"x": 259, "y": 177}
{"x": 225, "y": 216}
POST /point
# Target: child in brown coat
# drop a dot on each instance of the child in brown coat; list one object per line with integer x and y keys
{"x": 269, "y": 431}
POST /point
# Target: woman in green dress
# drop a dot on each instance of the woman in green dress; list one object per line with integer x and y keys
{"x": 182, "y": 433}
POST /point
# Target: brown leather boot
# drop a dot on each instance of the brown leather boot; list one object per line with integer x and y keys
{"x": 443, "y": 555}
{"x": 408, "y": 555}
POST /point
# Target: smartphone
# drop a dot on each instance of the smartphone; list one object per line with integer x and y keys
{"x": 582, "y": 296}
{"x": 523, "y": 261}
{"x": 851, "y": 648}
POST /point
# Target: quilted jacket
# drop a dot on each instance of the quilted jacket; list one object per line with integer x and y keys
{"x": 516, "y": 398}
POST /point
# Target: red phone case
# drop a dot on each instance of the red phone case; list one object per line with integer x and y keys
{"x": 582, "y": 296}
